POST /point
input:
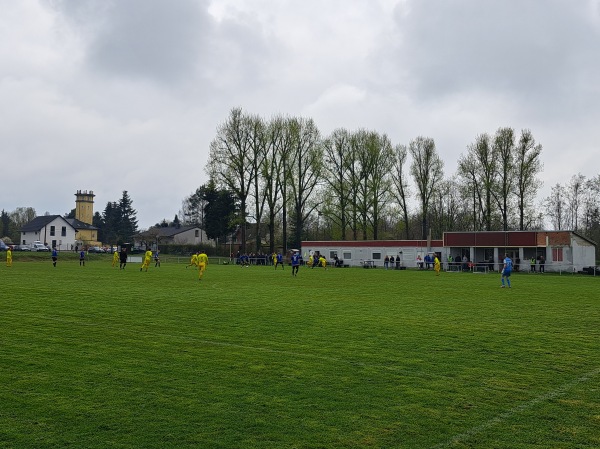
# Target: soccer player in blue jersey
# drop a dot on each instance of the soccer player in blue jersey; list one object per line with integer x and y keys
{"x": 279, "y": 261}
{"x": 506, "y": 270}
{"x": 295, "y": 263}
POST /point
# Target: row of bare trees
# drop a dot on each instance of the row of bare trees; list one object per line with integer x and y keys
{"x": 576, "y": 206}
{"x": 499, "y": 173}
{"x": 12, "y": 222}
{"x": 359, "y": 185}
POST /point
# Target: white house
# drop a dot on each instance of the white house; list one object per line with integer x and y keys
{"x": 52, "y": 230}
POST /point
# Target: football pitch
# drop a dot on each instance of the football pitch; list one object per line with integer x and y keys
{"x": 97, "y": 357}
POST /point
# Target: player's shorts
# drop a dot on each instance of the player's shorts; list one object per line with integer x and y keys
{"x": 202, "y": 266}
{"x": 506, "y": 273}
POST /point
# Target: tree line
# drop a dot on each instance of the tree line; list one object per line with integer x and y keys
{"x": 290, "y": 183}
{"x": 285, "y": 182}
{"x": 575, "y": 206}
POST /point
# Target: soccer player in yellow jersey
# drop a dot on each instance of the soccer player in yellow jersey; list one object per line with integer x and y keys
{"x": 202, "y": 263}
{"x": 323, "y": 262}
{"x": 9, "y": 257}
{"x": 147, "y": 259}
{"x": 193, "y": 261}
{"x": 436, "y": 265}
{"x": 115, "y": 261}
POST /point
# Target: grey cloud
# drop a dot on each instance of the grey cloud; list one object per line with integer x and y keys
{"x": 528, "y": 47}
{"x": 163, "y": 41}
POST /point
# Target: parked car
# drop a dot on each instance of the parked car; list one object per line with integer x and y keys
{"x": 95, "y": 249}
{"x": 22, "y": 248}
{"x": 3, "y": 246}
{"x": 36, "y": 246}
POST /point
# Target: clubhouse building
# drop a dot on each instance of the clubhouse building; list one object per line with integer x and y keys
{"x": 558, "y": 251}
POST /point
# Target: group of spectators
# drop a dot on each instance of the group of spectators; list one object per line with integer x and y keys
{"x": 391, "y": 262}
{"x": 259, "y": 258}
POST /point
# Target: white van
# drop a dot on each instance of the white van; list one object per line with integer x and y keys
{"x": 39, "y": 246}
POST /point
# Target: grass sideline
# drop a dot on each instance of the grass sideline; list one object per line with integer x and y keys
{"x": 96, "y": 357}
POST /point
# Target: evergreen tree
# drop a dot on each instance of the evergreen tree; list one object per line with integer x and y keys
{"x": 98, "y": 222}
{"x": 111, "y": 220}
{"x": 128, "y": 220}
{"x": 219, "y": 212}
{"x": 4, "y": 223}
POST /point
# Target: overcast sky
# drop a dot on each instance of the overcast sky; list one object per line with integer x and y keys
{"x": 113, "y": 95}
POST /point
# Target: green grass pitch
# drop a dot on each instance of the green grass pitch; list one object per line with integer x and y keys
{"x": 95, "y": 357}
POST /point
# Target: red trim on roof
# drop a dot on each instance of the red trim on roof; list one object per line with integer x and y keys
{"x": 372, "y": 243}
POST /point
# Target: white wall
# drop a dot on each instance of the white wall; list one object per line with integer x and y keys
{"x": 359, "y": 254}
{"x": 584, "y": 254}
{"x": 43, "y": 235}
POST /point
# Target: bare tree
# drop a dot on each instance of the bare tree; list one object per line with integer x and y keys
{"x": 575, "y": 192}
{"x": 21, "y": 216}
{"x": 354, "y": 178}
{"x": 271, "y": 171}
{"x": 192, "y": 208}
{"x": 258, "y": 148}
{"x": 527, "y": 166}
{"x": 591, "y": 214}
{"x": 374, "y": 156}
{"x": 380, "y": 156}
{"x": 337, "y": 154}
{"x": 427, "y": 170}
{"x": 504, "y": 147}
{"x": 231, "y": 162}
{"x": 303, "y": 171}
{"x": 479, "y": 170}
{"x": 400, "y": 190}
{"x": 555, "y": 206}
{"x": 448, "y": 210}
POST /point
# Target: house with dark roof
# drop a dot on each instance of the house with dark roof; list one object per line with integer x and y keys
{"x": 86, "y": 235}
{"x": 52, "y": 230}
{"x": 172, "y": 235}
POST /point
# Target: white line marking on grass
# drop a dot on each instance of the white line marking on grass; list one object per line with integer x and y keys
{"x": 560, "y": 391}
